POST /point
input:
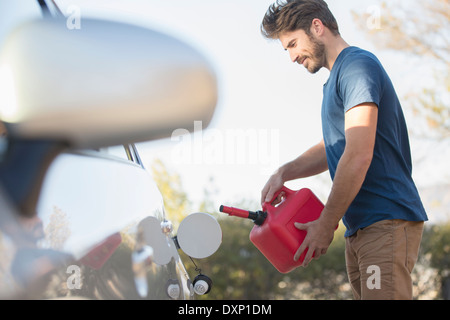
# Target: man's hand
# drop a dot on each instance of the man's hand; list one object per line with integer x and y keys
{"x": 319, "y": 234}
{"x": 310, "y": 163}
{"x": 272, "y": 186}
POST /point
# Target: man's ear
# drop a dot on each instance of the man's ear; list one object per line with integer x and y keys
{"x": 317, "y": 27}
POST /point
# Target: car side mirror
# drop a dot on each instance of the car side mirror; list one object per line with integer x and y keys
{"x": 107, "y": 83}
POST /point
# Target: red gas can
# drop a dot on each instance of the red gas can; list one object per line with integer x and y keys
{"x": 274, "y": 233}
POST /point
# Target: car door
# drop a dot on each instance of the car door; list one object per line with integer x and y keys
{"x": 104, "y": 208}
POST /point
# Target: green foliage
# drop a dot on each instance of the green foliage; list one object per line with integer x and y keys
{"x": 176, "y": 203}
{"x": 417, "y": 29}
{"x": 435, "y": 257}
{"x": 436, "y": 244}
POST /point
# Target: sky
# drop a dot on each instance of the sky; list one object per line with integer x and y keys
{"x": 268, "y": 111}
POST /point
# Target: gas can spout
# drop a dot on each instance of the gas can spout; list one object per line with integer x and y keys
{"x": 258, "y": 217}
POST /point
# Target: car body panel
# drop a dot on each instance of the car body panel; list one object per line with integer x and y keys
{"x": 97, "y": 210}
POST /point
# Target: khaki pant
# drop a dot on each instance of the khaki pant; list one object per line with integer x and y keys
{"x": 380, "y": 259}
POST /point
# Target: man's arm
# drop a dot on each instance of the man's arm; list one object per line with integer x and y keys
{"x": 310, "y": 163}
{"x": 360, "y": 132}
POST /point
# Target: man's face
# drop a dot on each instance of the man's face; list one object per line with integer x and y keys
{"x": 304, "y": 49}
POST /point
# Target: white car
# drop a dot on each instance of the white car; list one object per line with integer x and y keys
{"x": 80, "y": 217}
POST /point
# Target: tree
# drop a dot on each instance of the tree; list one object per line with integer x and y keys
{"x": 436, "y": 247}
{"x": 58, "y": 230}
{"x": 421, "y": 29}
{"x": 176, "y": 202}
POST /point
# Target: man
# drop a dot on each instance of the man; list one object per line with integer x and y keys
{"x": 366, "y": 149}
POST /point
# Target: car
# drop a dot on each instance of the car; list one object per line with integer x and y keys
{"x": 81, "y": 217}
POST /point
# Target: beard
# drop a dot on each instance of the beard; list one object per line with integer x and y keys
{"x": 318, "y": 57}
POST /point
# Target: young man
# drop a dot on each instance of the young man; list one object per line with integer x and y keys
{"x": 366, "y": 149}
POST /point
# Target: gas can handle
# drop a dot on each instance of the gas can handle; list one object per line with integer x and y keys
{"x": 288, "y": 192}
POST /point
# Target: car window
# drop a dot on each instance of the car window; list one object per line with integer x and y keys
{"x": 121, "y": 152}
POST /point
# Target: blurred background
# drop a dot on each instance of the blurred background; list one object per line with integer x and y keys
{"x": 269, "y": 113}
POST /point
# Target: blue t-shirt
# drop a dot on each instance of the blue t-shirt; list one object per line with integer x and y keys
{"x": 388, "y": 191}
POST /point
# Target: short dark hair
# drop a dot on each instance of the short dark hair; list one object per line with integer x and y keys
{"x": 290, "y": 15}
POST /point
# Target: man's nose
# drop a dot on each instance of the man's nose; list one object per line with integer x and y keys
{"x": 293, "y": 56}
